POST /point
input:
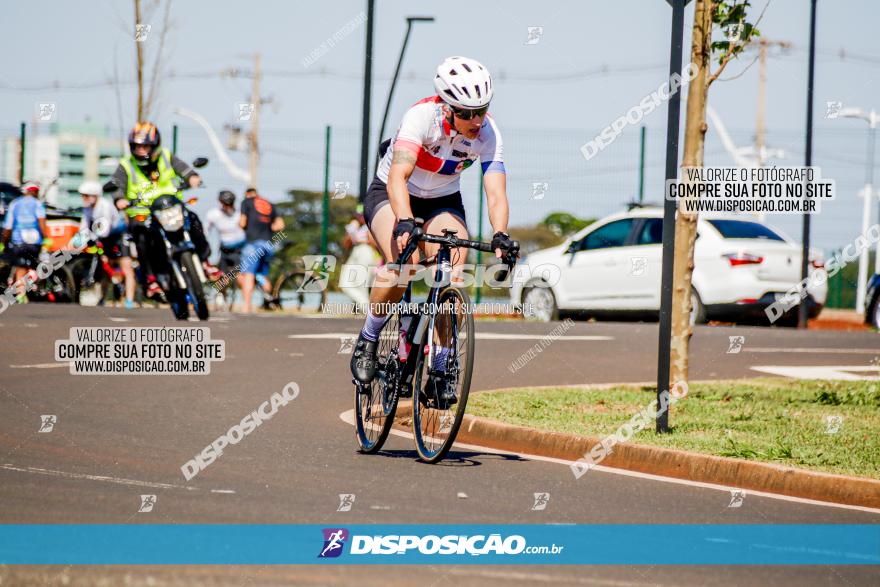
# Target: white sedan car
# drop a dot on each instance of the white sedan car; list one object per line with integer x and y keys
{"x": 741, "y": 266}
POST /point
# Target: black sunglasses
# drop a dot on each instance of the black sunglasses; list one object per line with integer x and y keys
{"x": 468, "y": 114}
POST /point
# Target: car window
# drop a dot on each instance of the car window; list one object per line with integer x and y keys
{"x": 744, "y": 229}
{"x": 613, "y": 234}
{"x": 651, "y": 232}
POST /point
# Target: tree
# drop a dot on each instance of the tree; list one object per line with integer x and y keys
{"x": 302, "y": 215}
{"x": 147, "y": 97}
{"x": 729, "y": 15}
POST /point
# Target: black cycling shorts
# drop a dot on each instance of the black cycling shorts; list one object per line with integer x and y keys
{"x": 117, "y": 246}
{"x": 23, "y": 255}
{"x": 424, "y": 208}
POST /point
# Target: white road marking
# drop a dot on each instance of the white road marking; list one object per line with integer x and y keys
{"x": 834, "y": 373}
{"x": 810, "y": 350}
{"x": 348, "y": 417}
{"x": 41, "y": 366}
{"x": 479, "y": 336}
{"x": 104, "y": 478}
{"x": 112, "y": 319}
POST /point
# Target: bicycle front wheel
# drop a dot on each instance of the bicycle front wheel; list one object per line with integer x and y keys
{"x": 450, "y": 355}
{"x": 376, "y": 403}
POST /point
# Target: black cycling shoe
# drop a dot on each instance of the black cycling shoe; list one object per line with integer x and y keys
{"x": 363, "y": 360}
{"x": 440, "y": 390}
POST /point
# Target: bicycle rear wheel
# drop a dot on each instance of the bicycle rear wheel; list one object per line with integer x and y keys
{"x": 376, "y": 403}
{"x": 436, "y": 424}
{"x": 288, "y": 293}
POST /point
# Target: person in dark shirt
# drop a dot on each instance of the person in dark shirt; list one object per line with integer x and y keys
{"x": 259, "y": 220}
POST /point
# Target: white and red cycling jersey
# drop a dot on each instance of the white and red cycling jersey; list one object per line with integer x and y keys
{"x": 441, "y": 153}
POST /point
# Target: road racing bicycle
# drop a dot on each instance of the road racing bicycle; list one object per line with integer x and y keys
{"x": 408, "y": 344}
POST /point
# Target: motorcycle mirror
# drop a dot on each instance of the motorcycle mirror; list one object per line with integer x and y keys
{"x": 110, "y": 187}
{"x": 200, "y": 162}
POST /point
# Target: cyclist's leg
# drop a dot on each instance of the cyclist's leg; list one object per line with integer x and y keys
{"x": 389, "y": 283}
{"x": 388, "y": 286}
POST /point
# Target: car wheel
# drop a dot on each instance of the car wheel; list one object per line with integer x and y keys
{"x": 539, "y": 304}
{"x": 698, "y": 310}
{"x": 875, "y": 313}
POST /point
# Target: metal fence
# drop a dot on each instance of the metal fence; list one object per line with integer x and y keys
{"x": 546, "y": 172}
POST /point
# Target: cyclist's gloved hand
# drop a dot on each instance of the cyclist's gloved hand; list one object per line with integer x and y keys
{"x": 501, "y": 243}
{"x": 402, "y": 230}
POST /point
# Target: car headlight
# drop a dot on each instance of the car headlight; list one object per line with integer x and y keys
{"x": 171, "y": 219}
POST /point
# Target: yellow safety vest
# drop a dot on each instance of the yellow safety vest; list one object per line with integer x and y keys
{"x": 141, "y": 191}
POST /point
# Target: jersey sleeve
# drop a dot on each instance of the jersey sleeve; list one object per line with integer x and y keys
{"x": 181, "y": 167}
{"x": 120, "y": 179}
{"x": 413, "y": 131}
{"x": 492, "y": 151}
{"x": 10, "y": 215}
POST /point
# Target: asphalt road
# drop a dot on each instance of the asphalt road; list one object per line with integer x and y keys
{"x": 117, "y": 437}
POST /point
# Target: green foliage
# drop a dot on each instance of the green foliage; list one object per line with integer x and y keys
{"x": 302, "y": 219}
{"x": 564, "y": 224}
{"x": 849, "y": 397}
{"x": 731, "y": 15}
{"x": 534, "y": 238}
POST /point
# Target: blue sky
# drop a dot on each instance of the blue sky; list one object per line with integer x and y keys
{"x": 545, "y": 108}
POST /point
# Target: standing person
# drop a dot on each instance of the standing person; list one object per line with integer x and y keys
{"x": 439, "y": 137}
{"x": 363, "y": 255}
{"x": 24, "y": 229}
{"x": 227, "y": 223}
{"x": 259, "y": 219}
{"x": 104, "y": 219}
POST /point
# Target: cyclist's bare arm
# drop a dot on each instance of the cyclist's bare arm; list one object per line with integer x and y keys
{"x": 403, "y": 163}
{"x": 277, "y": 224}
{"x": 495, "y": 185}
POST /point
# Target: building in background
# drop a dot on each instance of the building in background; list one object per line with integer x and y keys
{"x": 68, "y": 153}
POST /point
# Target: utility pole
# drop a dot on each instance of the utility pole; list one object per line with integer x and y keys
{"x": 254, "y": 159}
{"x": 808, "y": 161}
{"x": 139, "y": 56}
{"x": 365, "y": 116}
{"x": 763, "y": 45}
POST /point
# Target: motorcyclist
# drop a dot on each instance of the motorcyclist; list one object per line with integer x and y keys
{"x": 150, "y": 171}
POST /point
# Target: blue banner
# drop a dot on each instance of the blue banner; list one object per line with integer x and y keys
{"x": 484, "y": 544}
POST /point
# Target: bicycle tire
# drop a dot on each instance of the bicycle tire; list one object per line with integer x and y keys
{"x": 384, "y": 388}
{"x": 285, "y": 294}
{"x": 431, "y": 444}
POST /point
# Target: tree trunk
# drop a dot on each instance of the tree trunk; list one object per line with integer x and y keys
{"x": 686, "y": 223}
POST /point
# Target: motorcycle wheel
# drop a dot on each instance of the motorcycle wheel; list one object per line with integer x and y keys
{"x": 194, "y": 285}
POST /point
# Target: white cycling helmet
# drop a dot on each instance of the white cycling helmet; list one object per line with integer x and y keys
{"x": 91, "y": 188}
{"x": 463, "y": 83}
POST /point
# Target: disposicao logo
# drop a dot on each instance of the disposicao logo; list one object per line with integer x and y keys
{"x": 334, "y": 541}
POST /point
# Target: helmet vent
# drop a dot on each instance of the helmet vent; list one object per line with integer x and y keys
{"x": 477, "y": 88}
{"x": 466, "y": 67}
{"x": 465, "y": 91}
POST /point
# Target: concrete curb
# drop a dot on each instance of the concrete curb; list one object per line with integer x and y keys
{"x": 679, "y": 464}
